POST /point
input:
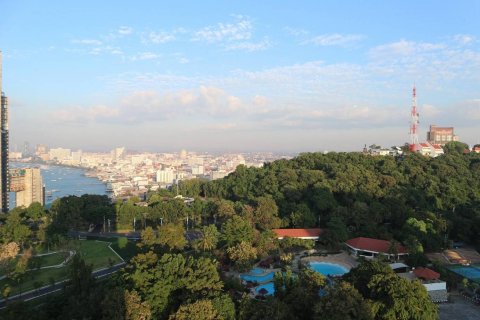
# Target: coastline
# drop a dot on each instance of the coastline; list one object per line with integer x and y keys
{"x": 64, "y": 180}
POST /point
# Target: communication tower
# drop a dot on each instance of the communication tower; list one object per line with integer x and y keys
{"x": 414, "y": 145}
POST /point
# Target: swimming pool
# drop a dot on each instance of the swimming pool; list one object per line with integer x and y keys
{"x": 469, "y": 272}
{"x": 267, "y": 286}
{"x": 257, "y": 278}
{"x": 257, "y": 271}
{"x": 328, "y": 269}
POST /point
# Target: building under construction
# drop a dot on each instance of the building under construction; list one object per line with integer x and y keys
{"x": 4, "y": 176}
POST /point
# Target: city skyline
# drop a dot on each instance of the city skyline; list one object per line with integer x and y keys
{"x": 238, "y": 77}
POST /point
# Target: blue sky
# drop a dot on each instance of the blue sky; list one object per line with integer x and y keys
{"x": 238, "y": 75}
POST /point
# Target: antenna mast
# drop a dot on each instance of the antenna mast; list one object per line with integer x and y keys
{"x": 414, "y": 123}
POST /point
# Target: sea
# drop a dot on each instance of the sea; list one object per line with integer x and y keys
{"x": 61, "y": 181}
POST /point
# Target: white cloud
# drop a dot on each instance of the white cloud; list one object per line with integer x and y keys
{"x": 334, "y": 39}
{"x": 249, "y": 46}
{"x": 464, "y": 39}
{"x": 404, "y": 48}
{"x": 296, "y": 32}
{"x": 106, "y": 49}
{"x": 145, "y": 56}
{"x": 239, "y": 31}
{"x": 160, "y": 37}
{"x": 83, "y": 115}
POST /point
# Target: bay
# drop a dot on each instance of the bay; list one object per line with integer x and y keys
{"x": 61, "y": 181}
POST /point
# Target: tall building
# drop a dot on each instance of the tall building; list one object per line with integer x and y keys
{"x": 165, "y": 176}
{"x": 441, "y": 135}
{"x": 28, "y": 185}
{"x": 60, "y": 154}
{"x": 4, "y": 187}
{"x": 117, "y": 153}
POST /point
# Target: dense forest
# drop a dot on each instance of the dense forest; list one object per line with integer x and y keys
{"x": 425, "y": 203}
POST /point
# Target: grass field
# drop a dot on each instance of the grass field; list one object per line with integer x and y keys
{"x": 96, "y": 253}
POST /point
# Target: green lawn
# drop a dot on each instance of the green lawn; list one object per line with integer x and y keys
{"x": 52, "y": 259}
{"x": 96, "y": 253}
{"x": 93, "y": 252}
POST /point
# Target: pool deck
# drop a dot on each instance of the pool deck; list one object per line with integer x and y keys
{"x": 343, "y": 259}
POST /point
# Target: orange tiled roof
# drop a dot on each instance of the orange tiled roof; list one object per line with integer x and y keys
{"x": 298, "y": 233}
{"x": 375, "y": 245}
{"x": 426, "y": 273}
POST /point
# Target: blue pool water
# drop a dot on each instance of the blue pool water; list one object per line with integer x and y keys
{"x": 256, "y": 271}
{"x": 328, "y": 269}
{"x": 268, "y": 286}
{"x": 470, "y": 272}
{"x": 256, "y": 278}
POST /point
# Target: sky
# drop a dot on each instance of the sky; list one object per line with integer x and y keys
{"x": 282, "y": 76}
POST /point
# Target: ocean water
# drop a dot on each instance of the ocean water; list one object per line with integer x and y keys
{"x": 62, "y": 181}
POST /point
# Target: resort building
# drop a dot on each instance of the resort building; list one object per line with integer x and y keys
{"x": 371, "y": 248}
{"x": 436, "y": 288}
{"x": 309, "y": 234}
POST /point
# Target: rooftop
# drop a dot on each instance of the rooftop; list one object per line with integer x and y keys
{"x": 374, "y": 245}
{"x": 298, "y": 233}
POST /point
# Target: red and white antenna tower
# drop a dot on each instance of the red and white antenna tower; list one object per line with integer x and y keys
{"x": 414, "y": 146}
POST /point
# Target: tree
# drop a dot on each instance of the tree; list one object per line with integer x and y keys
{"x": 148, "y": 238}
{"x": 342, "y": 302}
{"x": 35, "y": 211}
{"x": 361, "y": 275}
{"x": 14, "y": 229}
{"x": 167, "y": 280}
{"x": 455, "y": 147}
{"x": 271, "y": 308}
{"x": 243, "y": 255}
{"x": 198, "y": 310}
{"x": 172, "y": 236}
{"x": 266, "y": 214}
{"x": 8, "y": 252}
{"x": 336, "y": 232}
{"x": 135, "y": 308}
{"x": 399, "y": 298}
{"x": 224, "y": 306}
{"x": 209, "y": 238}
{"x": 236, "y": 230}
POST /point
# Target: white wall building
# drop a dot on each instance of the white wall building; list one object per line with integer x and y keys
{"x": 165, "y": 176}
{"x": 60, "y": 154}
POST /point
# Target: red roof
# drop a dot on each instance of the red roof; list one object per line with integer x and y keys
{"x": 425, "y": 145}
{"x": 298, "y": 233}
{"x": 426, "y": 273}
{"x": 374, "y": 245}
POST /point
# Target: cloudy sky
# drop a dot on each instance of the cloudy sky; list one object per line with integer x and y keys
{"x": 238, "y": 75}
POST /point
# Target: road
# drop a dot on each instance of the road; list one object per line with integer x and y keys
{"x": 190, "y": 234}
{"x": 33, "y": 294}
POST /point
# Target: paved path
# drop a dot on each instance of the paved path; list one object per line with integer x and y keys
{"x": 33, "y": 294}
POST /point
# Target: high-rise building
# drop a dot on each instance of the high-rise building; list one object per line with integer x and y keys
{"x": 441, "y": 135}
{"x": 60, "y": 154}
{"x": 28, "y": 185}
{"x": 165, "y": 176}
{"x": 4, "y": 187}
{"x": 117, "y": 153}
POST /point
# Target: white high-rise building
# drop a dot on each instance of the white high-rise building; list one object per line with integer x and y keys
{"x": 60, "y": 154}
{"x": 165, "y": 176}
